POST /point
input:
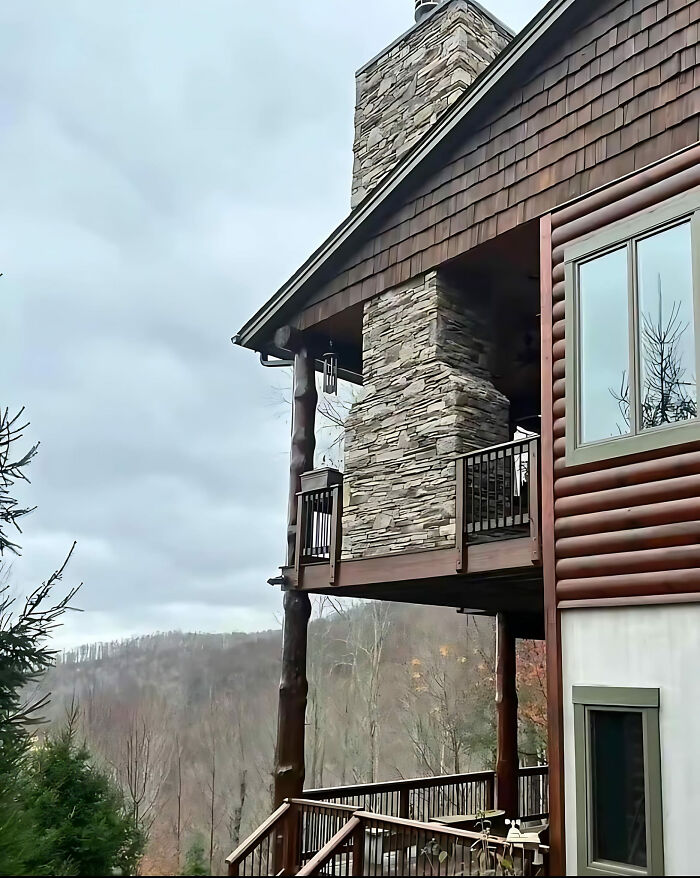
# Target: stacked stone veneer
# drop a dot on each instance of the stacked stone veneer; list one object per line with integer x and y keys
{"x": 403, "y": 91}
{"x": 428, "y": 397}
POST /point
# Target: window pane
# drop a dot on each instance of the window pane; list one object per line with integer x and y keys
{"x": 604, "y": 348}
{"x": 618, "y": 819}
{"x": 666, "y": 332}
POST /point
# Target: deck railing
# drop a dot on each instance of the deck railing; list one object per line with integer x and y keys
{"x": 319, "y": 522}
{"x": 426, "y": 798}
{"x": 533, "y": 792}
{"x": 290, "y": 838}
{"x": 418, "y": 798}
{"x": 389, "y": 832}
{"x": 498, "y": 493}
{"x": 371, "y": 844}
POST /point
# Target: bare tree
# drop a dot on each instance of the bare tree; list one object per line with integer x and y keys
{"x": 332, "y": 414}
{"x": 448, "y": 700}
{"x": 144, "y": 763}
{"x": 178, "y": 797}
{"x": 368, "y": 626}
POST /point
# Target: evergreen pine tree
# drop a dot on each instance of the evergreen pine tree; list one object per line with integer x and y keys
{"x": 78, "y": 812}
{"x": 195, "y": 860}
{"x": 24, "y": 656}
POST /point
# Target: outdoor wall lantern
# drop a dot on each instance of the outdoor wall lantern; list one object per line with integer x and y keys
{"x": 330, "y": 371}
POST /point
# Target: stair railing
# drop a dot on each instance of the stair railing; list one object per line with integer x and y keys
{"x": 370, "y": 844}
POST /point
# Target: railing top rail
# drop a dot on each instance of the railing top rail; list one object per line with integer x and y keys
{"x": 502, "y": 445}
{"x": 319, "y": 803}
{"x": 401, "y": 784}
{"x": 246, "y": 847}
{"x": 526, "y": 770}
{"x": 309, "y": 491}
{"x": 327, "y": 851}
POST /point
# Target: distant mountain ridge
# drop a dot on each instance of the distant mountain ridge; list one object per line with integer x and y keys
{"x": 154, "y": 642}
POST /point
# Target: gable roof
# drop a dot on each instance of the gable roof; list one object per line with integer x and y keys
{"x": 257, "y": 332}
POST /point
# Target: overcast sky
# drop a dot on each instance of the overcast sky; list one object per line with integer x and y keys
{"x": 165, "y": 166}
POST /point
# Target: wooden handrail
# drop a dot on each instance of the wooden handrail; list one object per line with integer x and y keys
{"x": 316, "y": 803}
{"x": 397, "y": 785}
{"x": 247, "y": 846}
{"x": 427, "y": 826}
{"x": 528, "y": 770}
{"x": 329, "y": 850}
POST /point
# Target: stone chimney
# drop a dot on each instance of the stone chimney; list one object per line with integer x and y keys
{"x": 428, "y": 396}
{"x": 404, "y": 90}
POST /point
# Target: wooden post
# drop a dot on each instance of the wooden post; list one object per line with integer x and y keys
{"x": 289, "y": 864}
{"x": 301, "y": 460}
{"x": 460, "y": 481}
{"x": 358, "y": 850}
{"x": 289, "y": 756}
{"x": 534, "y": 501}
{"x": 507, "y": 720}
{"x": 403, "y": 858}
{"x": 336, "y": 547}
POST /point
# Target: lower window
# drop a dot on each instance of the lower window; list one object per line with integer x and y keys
{"x": 618, "y": 781}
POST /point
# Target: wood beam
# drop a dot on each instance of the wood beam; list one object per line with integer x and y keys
{"x": 555, "y": 718}
{"x": 507, "y": 719}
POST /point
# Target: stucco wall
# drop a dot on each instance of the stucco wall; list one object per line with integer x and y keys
{"x": 652, "y": 646}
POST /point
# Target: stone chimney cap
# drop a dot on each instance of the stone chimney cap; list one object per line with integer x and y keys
{"x": 425, "y": 7}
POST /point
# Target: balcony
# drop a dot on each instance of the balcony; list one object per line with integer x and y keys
{"x": 406, "y": 827}
{"x": 498, "y": 500}
{"x": 496, "y": 546}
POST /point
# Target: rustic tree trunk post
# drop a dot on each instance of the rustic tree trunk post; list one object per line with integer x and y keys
{"x": 301, "y": 459}
{"x": 507, "y": 720}
{"x": 293, "y": 689}
{"x": 291, "y": 718}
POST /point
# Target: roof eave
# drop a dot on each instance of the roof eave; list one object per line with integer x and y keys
{"x": 250, "y": 335}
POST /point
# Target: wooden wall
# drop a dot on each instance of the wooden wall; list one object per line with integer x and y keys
{"x": 625, "y": 531}
{"x": 617, "y": 92}
{"x": 629, "y": 528}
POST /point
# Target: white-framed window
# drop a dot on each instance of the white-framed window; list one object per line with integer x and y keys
{"x": 633, "y": 325}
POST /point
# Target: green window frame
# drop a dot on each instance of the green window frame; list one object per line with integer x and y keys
{"x": 627, "y": 234}
{"x": 645, "y": 702}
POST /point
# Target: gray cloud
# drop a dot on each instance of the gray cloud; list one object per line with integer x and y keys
{"x": 165, "y": 166}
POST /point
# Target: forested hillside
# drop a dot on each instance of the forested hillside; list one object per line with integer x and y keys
{"x": 186, "y": 722}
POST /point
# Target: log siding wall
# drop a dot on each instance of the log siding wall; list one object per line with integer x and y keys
{"x": 624, "y": 529}
{"x": 620, "y": 92}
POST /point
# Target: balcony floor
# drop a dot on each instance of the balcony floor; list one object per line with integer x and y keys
{"x": 500, "y": 577}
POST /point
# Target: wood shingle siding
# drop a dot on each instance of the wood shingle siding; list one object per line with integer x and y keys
{"x": 626, "y": 529}
{"x": 620, "y": 92}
